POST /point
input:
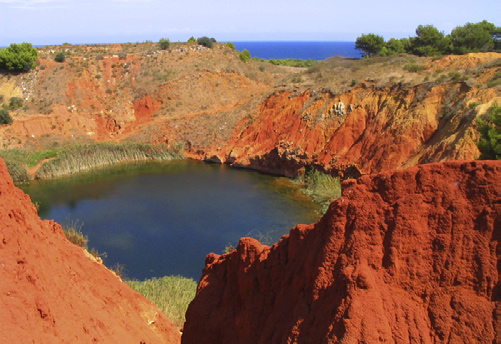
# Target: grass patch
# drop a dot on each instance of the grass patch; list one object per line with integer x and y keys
{"x": 292, "y": 62}
{"x": 172, "y": 294}
{"x": 321, "y": 187}
{"x": 86, "y": 157}
{"x": 73, "y": 232}
{"x": 414, "y": 68}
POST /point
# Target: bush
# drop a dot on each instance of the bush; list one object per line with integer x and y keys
{"x": 231, "y": 45}
{"x": 60, "y": 57}
{"x": 192, "y": 40}
{"x": 245, "y": 55}
{"x": 15, "y": 103}
{"x": 489, "y": 127}
{"x": 5, "y": 117}
{"x": 164, "y": 44}
{"x": 18, "y": 57}
{"x": 414, "y": 68}
{"x": 206, "y": 42}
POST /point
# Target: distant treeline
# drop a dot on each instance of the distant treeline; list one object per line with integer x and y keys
{"x": 470, "y": 38}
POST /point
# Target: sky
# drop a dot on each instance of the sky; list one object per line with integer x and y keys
{"x": 44, "y": 22}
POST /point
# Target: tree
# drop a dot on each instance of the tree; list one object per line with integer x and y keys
{"x": 191, "y": 40}
{"x": 395, "y": 46}
{"x": 18, "y": 57}
{"x": 369, "y": 44}
{"x": 473, "y": 37}
{"x": 206, "y": 42}
{"x": 429, "y": 41}
{"x": 60, "y": 57}
{"x": 164, "y": 44}
{"x": 5, "y": 117}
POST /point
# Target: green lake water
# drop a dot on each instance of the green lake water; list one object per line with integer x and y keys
{"x": 160, "y": 219}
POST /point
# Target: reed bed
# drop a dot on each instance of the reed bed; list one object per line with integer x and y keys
{"x": 172, "y": 294}
{"x": 321, "y": 187}
{"x": 83, "y": 158}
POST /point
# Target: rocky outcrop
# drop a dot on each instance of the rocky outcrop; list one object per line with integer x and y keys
{"x": 51, "y": 292}
{"x": 389, "y": 127}
{"x": 405, "y": 256}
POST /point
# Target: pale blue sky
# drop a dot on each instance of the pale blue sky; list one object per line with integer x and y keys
{"x": 114, "y": 21}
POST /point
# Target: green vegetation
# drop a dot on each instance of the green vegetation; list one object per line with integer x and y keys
{"x": 206, "y": 42}
{"x": 60, "y": 57}
{"x": 321, "y": 187}
{"x": 164, "y": 44}
{"x": 15, "y": 103}
{"x": 472, "y": 37}
{"x": 5, "y": 117}
{"x": 73, "y": 232}
{"x": 489, "y": 126}
{"x": 369, "y": 44}
{"x": 230, "y": 45}
{"x": 293, "y": 62}
{"x": 414, "y": 68}
{"x": 192, "y": 40}
{"x": 18, "y": 57}
{"x": 85, "y": 157}
{"x": 18, "y": 161}
{"x": 172, "y": 294}
{"x": 245, "y": 55}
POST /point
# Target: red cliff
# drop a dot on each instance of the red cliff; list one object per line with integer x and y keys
{"x": 51, "y": 292}
{"x": 404, "y": 256}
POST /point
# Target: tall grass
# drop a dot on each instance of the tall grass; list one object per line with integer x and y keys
{"x": 85, "y": 157}
{"x": 172, "y": 294}
{"x": 321, "y": 187}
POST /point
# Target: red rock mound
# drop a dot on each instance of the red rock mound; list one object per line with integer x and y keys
{"x": 406, "y": 256}
{"x": 50, "y": 292}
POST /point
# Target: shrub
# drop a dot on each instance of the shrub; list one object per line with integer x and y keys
{"x": 321, "y": 187}
{"x": 5, "y": 117}
{"x": 164, "y": 44}
{"x": 60, "y": 57}
{"x": 414, "y": 68}
{"x": 231, "y": 45}
{"x": 191, "y": 40}
{"x": 15, "y": 103}
{"x": 18, "y": 57}
{"x": 245, "y": 55}
{"x": 489, "y": 127}
{"x": 206, "y": 42}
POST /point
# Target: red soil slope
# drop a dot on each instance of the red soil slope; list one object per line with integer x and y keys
{"x": 404, "y": 256}
{"x": 51, "y": 292}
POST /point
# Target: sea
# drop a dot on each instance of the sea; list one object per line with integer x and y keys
{"x": 298, "y": 50}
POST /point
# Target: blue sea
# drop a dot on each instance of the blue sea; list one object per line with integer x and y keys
{"x": 298, "y": 50}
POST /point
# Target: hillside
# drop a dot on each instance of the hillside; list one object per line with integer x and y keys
{"x": 346, "y": 116}
{"x": 405, "y": 256}
{"x": 52, "y": 292}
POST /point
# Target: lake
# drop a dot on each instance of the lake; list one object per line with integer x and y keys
{"x": 161, "y": 219}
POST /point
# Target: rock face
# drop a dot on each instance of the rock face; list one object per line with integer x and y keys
{"x": 51, "y": 292}
{"x": 405, "y": 256}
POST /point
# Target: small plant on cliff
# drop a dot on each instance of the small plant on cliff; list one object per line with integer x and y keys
{"x": 230, "y": 45}
{"x": 489, "y": 126}
{"x": 15, "y": 103}
{"x": 5, "y": 117}
{"x": 172, "y": 294}
{"x": 73, "y": 232}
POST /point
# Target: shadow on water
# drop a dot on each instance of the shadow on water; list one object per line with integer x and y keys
{"x": 163, "y": 218}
